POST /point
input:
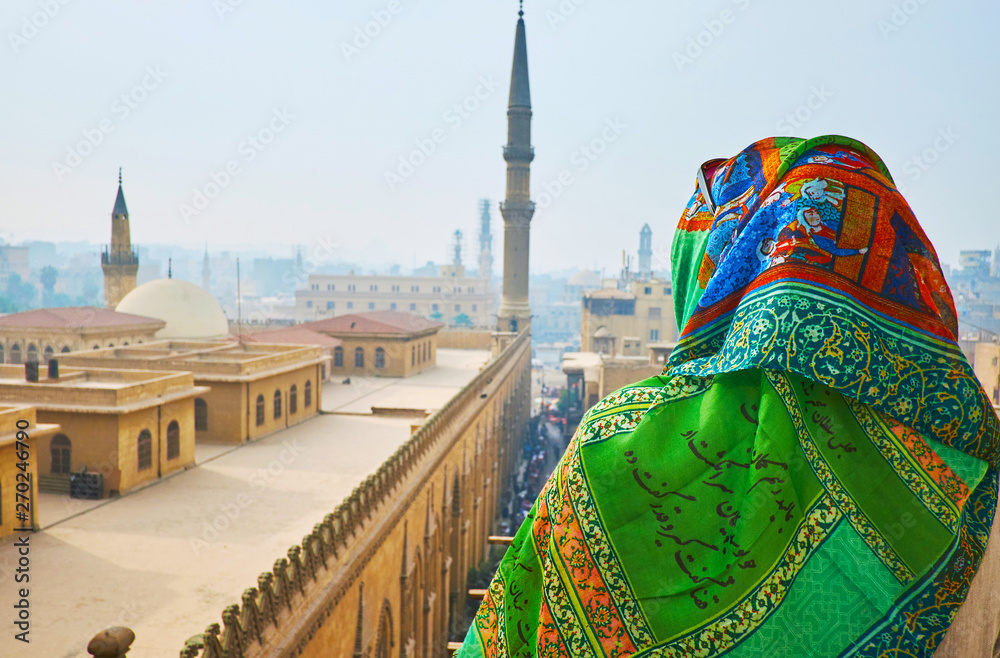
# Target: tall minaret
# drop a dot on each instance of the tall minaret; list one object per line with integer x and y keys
{"x": 119, "y": 261}
{"x": 646, "y": 253}
{"x": 206, "y": 272}
{"x": 515, "y": 313}
{"x": 485, "y": 243}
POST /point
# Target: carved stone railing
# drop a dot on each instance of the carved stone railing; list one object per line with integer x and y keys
{"x": 272, "y": 603}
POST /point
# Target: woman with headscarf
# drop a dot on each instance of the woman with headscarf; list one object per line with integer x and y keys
{"x": 813, "y": 474}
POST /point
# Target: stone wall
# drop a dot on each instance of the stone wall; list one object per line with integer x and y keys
{"x": 107, "y": 443}
{"x": 402, "y": 356}
{"x": 460, "y": 339}
{"x": 266, "y": 387}
{"x": 15, "y": 480}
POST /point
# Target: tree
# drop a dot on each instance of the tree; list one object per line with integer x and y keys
{"x": 20, "y": 295}
{"x": 48, "y": 278}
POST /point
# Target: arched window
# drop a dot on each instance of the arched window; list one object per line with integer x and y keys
{"x": 15, "y": 353}
{"x": 144, "y": 450}
{"x": 293, "y": 399}
{"x": 359, "y": 357}
{"x": 308, "y": 392}
{"x": 48, "y": 353}
{"x": 65, "y": 349}
{"x": 1, "y": 354}
{"x": 277, "y": 404}
{"x": 61, "y": 450}
{"x": 338, "y": 357}
{"x": 32, "y": 352}
{"x": 200, "y": 415}
{"x": 260, "y": 410}
{"x": 413, "y": 355}
{"x": 97, "y": 347}
{"x": 379, "y": 358}
{"x": 125, "y": 344}
{"x": 173, "y": 440}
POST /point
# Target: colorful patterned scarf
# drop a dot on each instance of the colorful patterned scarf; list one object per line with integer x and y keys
{"x": 815, "y": 471}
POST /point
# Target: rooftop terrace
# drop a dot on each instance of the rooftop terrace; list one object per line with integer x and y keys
{"x": 168, "y": 557}
{"x": 222, "y": 360}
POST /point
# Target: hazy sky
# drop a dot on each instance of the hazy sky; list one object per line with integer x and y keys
{"x": 174, "y": 91}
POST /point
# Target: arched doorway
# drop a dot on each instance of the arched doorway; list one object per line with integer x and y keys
{"x": 15, "y": 354}
{"x": 200, "y": 415}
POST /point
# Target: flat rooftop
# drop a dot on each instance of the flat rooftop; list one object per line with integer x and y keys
{"x": 151, "y": 560}
{"x": 95, "y": 389}
{"x": 220, "y": 360}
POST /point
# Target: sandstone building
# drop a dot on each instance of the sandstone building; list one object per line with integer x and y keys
{"x": 43, "y": 333}
{"x": 250, "y": 389}
{"x": 299, "y": 335}
{"x": 626, "y": 322}
{"x": 984, "y": 356}
{"x": 131, "y": 426}
{"x": 380, "y": 343}
{"x": 445, "y": 298}
{"x": 18, "y": 425}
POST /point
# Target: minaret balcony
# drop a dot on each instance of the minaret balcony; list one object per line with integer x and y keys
{"x": 130, "y": 257}
{"x": 518, "y": 153}
{"x": 517, "y": 207}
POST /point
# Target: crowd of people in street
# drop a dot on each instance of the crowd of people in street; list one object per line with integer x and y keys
{"x": 539, "y": 455}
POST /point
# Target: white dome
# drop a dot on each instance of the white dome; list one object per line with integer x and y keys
{"x": 585, "y": 279}
{"x": 189, "y": 311}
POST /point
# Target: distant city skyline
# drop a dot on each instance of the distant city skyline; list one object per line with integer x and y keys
{"x": 377, "y": 128}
